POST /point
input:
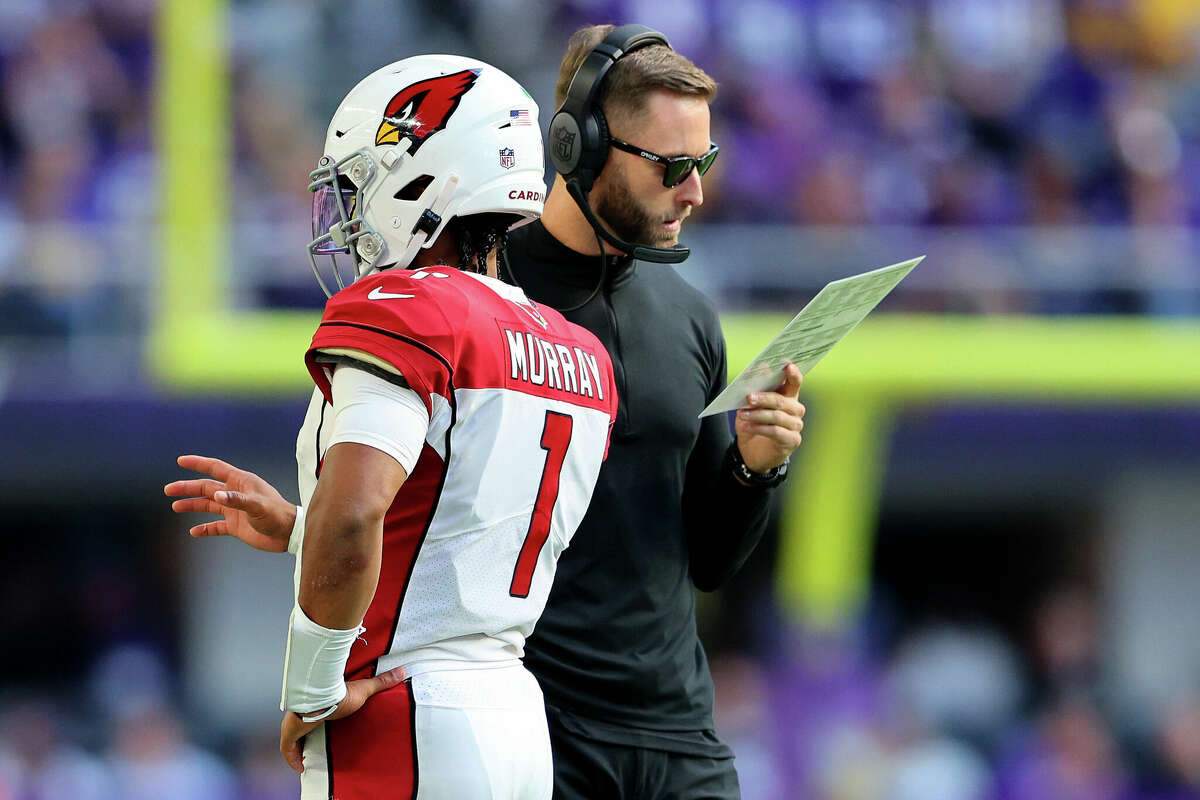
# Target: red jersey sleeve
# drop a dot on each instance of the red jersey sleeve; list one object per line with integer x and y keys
{"x": 401, "y": 317}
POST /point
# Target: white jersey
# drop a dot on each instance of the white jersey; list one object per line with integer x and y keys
{"x": 520, "y": 406}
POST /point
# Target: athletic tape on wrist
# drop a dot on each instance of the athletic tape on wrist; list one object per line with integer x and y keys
{"x": 314, "y": 665}
{"x": 318, "y": 717}
{"x": 297, "y": 535}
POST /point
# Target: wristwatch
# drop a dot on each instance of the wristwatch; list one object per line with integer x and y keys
{"x": 766, "y": 480}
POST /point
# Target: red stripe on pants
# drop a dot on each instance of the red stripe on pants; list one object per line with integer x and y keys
{"x": 373, "y": 752}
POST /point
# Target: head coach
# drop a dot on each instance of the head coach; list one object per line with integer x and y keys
{"x": 680, "y": 503}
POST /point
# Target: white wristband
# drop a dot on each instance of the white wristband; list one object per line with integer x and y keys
{"x": 297, "y": 535}
{"x": 314, "y": 664}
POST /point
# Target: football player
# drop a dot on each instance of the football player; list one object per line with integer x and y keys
{"x": 448, "y": 453}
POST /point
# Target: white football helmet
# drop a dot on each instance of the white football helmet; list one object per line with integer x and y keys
{"x": 414, "y": 145}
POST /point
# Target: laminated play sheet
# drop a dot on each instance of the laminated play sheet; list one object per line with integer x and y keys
{"x": 834, "y": 312}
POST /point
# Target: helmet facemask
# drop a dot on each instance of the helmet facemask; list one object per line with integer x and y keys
{"x": 338, "y": 225}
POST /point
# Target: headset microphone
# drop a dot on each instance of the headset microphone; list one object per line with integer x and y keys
{"x": 655, "y": 255}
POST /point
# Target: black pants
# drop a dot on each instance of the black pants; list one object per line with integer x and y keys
{"x": 585, "y": 769}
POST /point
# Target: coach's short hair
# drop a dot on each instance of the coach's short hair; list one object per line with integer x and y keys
{"x": 644, "y": 70}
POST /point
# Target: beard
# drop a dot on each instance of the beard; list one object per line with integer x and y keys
{"x": 629, "y": 219}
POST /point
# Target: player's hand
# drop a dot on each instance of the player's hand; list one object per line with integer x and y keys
{"x": 768, "y": 426}
{"x": 293, "y": 729}
{"x": 251, "y": 508}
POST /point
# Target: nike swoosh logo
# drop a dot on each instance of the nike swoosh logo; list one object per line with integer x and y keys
{"x": 379, "y": 294}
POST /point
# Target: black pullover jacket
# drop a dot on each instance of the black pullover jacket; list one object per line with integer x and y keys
{"x": 616, "y": 651}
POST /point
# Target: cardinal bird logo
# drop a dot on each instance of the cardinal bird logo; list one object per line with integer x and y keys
{"x": 418, "y": 111}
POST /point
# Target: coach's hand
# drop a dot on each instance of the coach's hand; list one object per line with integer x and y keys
{"x": 293, "y": 729}
{"x": 768, "y": 426}
{"x": 253, "y": 511}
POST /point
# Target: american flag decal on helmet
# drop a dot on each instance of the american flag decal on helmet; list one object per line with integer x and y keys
{"x": 519, "y": 116}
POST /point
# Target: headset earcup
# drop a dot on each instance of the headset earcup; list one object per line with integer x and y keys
{"x": 578, "y": 135}
{"x": 566, "y": 144}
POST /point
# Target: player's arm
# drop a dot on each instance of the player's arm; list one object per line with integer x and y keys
{"x": 344, "y": 533}
{"x": 724, "y": 517}
{"x": 379, "y": 427}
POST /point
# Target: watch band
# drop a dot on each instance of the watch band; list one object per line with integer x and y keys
{"x": 766, "y": 480}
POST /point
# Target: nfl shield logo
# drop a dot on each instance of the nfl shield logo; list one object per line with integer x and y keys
{"x": 564, "y": 143}
{"x": 508, "y": 158}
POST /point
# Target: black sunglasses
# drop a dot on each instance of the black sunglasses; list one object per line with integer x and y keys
{"x": 677, "y": 167}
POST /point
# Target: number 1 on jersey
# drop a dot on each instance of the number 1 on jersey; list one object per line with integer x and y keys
{"x": 556, "y": 437}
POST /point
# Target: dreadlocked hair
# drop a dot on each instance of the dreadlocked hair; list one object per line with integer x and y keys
{"x": 477, "y": 235}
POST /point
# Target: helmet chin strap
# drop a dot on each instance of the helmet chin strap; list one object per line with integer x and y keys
{"x": 429, "y": 221}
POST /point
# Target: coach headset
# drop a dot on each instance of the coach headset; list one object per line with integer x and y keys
{"x": 579, "y": 138}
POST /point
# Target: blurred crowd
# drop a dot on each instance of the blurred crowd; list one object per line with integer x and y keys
{"x": 830, "y": 113}
{"x": 954, "y": 112}
{"x": 931, "y": 693}
{"x": 955, "y": 711}
{"x": 75, "y": 143}
{"x": 949, "y": 711}
{"x": 123, "y": 739}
